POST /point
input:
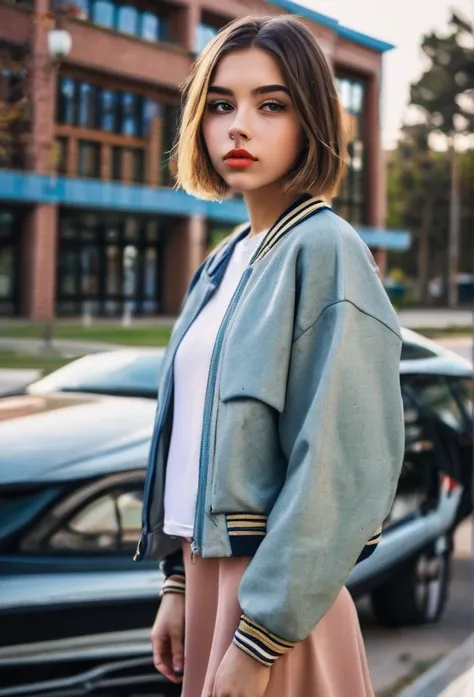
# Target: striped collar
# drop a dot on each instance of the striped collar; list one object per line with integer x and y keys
{"x": 303, "y": 208}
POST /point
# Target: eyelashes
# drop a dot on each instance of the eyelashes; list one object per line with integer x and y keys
{"x": 220, "y": 106}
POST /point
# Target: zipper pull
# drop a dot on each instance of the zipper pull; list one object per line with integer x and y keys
{"x": 194, "y": 552}
{"x": 138, "y": 551}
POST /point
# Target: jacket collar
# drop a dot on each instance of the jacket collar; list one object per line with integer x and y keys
{"x": 303, "y": 208}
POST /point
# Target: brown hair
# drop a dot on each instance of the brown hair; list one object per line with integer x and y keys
{"x": 320, "y": 165}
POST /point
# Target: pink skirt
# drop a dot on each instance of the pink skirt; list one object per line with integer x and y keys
{"x": 331, "y": 662}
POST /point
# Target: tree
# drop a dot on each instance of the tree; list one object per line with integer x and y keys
{"x": 444, "y": 94}
{"x": 418, "y": 182}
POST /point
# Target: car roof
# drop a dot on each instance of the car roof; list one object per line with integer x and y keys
{"x": 441, "y": 362}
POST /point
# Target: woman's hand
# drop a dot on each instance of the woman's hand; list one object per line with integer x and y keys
{"x": 167, "y": 637}
{"x": 239, "y": 675}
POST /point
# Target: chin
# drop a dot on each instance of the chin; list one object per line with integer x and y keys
{"x": 240, "y": 183}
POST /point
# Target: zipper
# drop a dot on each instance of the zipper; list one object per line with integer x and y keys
{"x": 141, "y": 546}
{"x": 204, "y": 455}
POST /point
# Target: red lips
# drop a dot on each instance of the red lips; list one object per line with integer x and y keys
{"x": 239, "y": 154}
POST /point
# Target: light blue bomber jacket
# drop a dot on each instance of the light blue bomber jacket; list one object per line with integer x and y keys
{"x": 302, "y": 441}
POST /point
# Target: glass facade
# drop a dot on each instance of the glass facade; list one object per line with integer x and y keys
{"x": 88, "y": 159}
{"x": 204, "y": 33}
{"x": 350, "y": 202}
{"x": 10, "y": 224}
{"x": 108, "y": 261}
{"x": 126, "y": 18}
{"x": 86, "y": 105}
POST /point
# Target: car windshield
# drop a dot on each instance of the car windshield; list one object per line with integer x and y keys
{"x": 112, "y": 373}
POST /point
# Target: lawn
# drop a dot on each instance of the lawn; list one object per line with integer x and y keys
{"x": 45, "y": 363}
{"x": 136, "y": 335}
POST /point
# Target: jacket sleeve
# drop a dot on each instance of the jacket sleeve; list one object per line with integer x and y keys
{"x": 172, "y": 568}
{"x": 341, "y": 432}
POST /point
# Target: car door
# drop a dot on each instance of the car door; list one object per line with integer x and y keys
{"x": 408, "y": 527}
{"x": 445, "y": 400}
{"x": 74, "y": 581}
{"x": 462, "y": 390}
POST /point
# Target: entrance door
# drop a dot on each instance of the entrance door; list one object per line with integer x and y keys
{"x": 109, "y": 264}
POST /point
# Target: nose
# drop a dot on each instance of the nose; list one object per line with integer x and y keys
{"x": 240, "y": 129}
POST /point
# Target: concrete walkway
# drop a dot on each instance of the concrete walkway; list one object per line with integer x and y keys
{"x": 451, "y": 677}
{"x": 416, "y": 318}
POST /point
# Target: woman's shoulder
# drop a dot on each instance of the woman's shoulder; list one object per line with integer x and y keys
{"x": 327, "y": 231}
{"x": 329, "y": 244}
{"x": 335, "y": 264}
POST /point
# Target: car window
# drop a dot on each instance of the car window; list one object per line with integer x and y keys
{"x": 435, "y": 393}
{"x": 419, "y": 466}
{"x": 114, "y": 372}
{"x": 413, "y": 352}
{"x": 109, "y": 523}
{"x": 463, "y": 387}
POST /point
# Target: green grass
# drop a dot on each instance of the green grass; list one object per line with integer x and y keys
{"x": 136, "y": 335}
{"x": 144, "y": 334}
{"x": 437, "y": 333}
{"x": 45, "y": 363}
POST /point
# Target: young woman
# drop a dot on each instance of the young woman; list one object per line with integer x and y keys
{"x": 278, "y": 438}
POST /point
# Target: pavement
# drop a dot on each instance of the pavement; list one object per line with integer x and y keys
{"x": 435, "y": 317}
{"x": 451, "y": 677}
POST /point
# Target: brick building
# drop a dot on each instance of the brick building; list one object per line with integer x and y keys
{"x": 88, "y": 215}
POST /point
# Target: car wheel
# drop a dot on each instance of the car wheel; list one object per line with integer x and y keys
{"x": 418, "y": 591}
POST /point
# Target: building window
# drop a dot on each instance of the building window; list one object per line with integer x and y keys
{"x": 350, "y": 201}
{"x": 165, "y": 174}
{"x": 108, "y": 110}
{"x": 127, "y": 19}
{"x": 131, "y": 123}
{"x": 10, "y": 223}
{"x": 89, "y": 159}
{"x": 66, "y": 108}
{"x": 138, "y": 166}
{"x": 87, "y": 105}
{"x": 103, "y": 12}
{"x": 116, "y": 172}
{"x": 153, "y": 27}
{"x": 60, "y": 155}
{"x": 204, "y": 34}
{"x": 108, "y": 262}
{"x": 150, "y": 111}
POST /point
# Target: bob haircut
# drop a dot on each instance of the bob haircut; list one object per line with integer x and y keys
{"x": 320, "y": 165}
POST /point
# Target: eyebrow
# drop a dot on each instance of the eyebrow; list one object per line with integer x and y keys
{"x": 266, "y": 89}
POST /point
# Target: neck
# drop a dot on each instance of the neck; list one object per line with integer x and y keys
{"x": 265, "y": 206}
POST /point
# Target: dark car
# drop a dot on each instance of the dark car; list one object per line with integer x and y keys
{"x": 75, "y": 610}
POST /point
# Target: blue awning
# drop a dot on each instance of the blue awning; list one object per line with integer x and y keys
{"x": 30, "y": 188}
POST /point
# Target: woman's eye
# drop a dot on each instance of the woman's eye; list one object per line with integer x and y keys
{"x": 273, "y": 106}
{"x": 219, "y": 107}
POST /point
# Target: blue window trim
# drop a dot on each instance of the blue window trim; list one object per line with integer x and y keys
{"x": 325, "y": 21}
{"x": 25, "y": 187}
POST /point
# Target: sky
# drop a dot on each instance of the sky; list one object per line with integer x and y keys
{"x": 400, "y": 22}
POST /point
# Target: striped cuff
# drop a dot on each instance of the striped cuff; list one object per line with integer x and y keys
{"x": 259, "y": 643}
{"x": 174, "y": 584}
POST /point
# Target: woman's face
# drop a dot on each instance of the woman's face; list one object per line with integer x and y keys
{"x": 249, "y": 109}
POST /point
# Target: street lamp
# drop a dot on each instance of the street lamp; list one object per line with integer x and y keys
{"x": 59, "y": 44}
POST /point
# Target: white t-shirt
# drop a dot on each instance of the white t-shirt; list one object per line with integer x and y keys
{"x": 191, "y": 372}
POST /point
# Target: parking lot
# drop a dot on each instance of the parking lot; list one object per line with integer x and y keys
{"x": 395, "y": 654}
